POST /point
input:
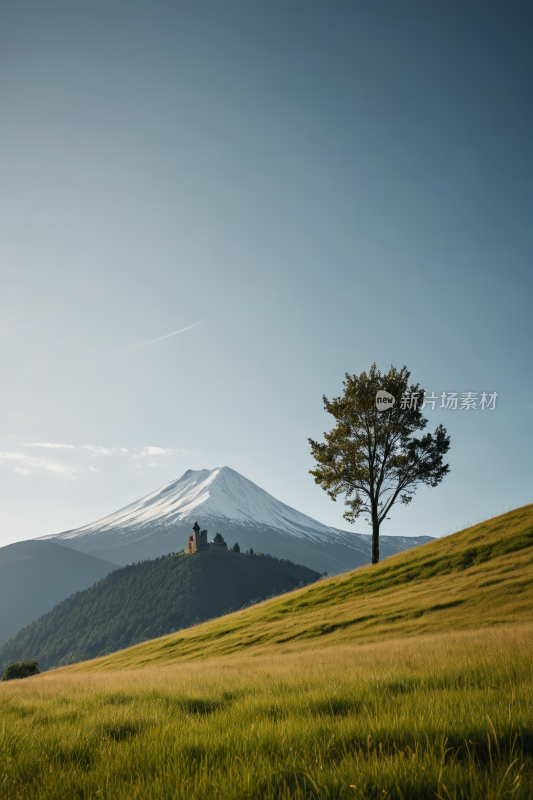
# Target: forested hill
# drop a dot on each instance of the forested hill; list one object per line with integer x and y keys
{"x": 35, "y": 576}
{"x": 149, "y": 599}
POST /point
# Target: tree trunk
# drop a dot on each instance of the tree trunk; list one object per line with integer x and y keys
{"x": 375, "y": 538}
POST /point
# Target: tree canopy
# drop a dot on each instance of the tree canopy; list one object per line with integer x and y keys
{"x": 373, "y": 457}
{"x": 21, "y": 669}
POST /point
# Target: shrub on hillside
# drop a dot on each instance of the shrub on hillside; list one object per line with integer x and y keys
{"x": 236, "y": 548}
{"x": 21, "y": 669}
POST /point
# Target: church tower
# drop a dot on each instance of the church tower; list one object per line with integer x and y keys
{"x": 198, "y": 540}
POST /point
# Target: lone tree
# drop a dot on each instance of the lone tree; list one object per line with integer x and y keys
{"x": 371, "y": 456}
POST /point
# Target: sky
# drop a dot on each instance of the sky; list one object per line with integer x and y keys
{"x": 302, "y": 189}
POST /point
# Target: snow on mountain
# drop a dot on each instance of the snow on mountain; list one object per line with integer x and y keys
{"x": 221, "y": 494}
{"x": 225, "y": 502}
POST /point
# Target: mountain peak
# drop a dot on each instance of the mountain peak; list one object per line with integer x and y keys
{"x": 223, "y": 500}
{"x": 221, "y": 493}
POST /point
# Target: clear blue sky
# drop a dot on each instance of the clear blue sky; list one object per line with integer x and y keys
{"x": 321, "y": 184}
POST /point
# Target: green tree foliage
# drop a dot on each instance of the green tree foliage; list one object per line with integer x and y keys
{"x": 21, "y": 669}
{"x": 150, "y": 599}
{"x": 236, "y": 548}
{"x": 373, "y": 457}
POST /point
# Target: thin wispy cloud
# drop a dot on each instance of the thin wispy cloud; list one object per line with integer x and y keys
{"x": 49, "y": 445}
{"x": 167, "y": 335}
{"x": 103, "y": 451}
{"x": 157, "y": 451}
{"x": 135, "y": 453}
{"x": 23, "y": 471}
{"x": 38, "y": 463}
{"x": 147, "y": 450}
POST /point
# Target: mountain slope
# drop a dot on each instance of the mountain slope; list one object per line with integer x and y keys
{"x": 482, "y": 576}
{"x": 35, "y": 575}
{"x": 149, "y": 599}
{"x": 225, "y": 502}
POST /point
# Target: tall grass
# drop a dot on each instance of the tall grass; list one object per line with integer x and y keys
{"x": 440, "y": 716}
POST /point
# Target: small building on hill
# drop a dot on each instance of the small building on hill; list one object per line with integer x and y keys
{"x": 198, "y": 541}
{"x": 218, "y": 542}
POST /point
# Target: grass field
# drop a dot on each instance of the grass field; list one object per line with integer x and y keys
{"x": 409, "y": 680}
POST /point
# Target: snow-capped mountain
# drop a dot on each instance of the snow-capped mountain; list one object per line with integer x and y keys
{"x": 220, "y": 494}
{"x": 223, "y": 501}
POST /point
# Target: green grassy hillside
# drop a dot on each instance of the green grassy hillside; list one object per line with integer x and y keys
{"x": 479, "y": 577}
{"x": 406, "y": 681}
{"x": 148, "y": 599}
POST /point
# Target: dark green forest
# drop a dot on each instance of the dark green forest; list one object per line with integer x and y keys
{"x": 150, "y": 599}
